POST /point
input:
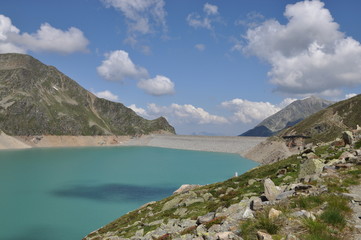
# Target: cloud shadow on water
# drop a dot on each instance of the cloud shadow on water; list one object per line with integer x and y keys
{"x": 114, "y": 192}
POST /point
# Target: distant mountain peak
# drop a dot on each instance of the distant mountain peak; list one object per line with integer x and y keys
{"x": 288, "y": 116}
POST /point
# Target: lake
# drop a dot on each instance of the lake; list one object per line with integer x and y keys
{"x": 65, "y": 193}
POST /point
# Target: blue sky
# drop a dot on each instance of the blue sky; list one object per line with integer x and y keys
{"x": 210, "y": 67}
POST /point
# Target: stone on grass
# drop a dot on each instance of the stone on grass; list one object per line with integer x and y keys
{"x": 271, "y": 190}
{"x": 227, "y": 236}
{"x": 347, "y": 137}
{"x": 273, "y": 213}
{"x": 263, "y": 236}
{"x": 311, "y": 167}
{"x": 205, "y": 218}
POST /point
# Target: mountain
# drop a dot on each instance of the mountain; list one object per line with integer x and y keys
{"x": 36, "y": 99}
{"x": 289, "y": 116}
{"x": 329, "y": 123}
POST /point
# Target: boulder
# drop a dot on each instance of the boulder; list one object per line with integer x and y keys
{"x": 256, "y": 204}
{"x": 227, "y": 236}
{"x": 311, "y": 167}
{"x": 291, "y": 237}
{"x": 263, "y": 236}
{"x": 347, "y": 137}
{"x": 271, "y": 190}
{"x": 285, "y": 195}
{"x": 273, "y": 213}
{"x": 205, "y": 218}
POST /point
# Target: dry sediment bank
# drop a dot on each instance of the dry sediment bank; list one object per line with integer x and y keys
{"x": 238, "y": 145}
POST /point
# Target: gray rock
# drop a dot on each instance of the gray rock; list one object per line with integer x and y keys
{"x": 256, "y": 204}
{"x": 303, "y": 213}
{"x": 172, "y": 203}
{"x": 181, "y": 212}
{"x": 215, "y": 228}
{"x": 201, "y": 230}
{"x": 347, "y": 137}
{"x": 207, "y": 196}
{"x": 271, "y": 190}
{"x": 186, "y": 223}
{"x": 227, "y": 236}
{"x": 311, "y": 167}
{"x": 285, "y": 195}
{"x": 193, "y": 200}
{"x": 287, "y": 179}
{"x": 291, "y": 237}
{"x": 263, "y": 236}
{"x": 206, "y": 218}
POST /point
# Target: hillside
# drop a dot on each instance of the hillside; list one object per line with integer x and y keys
{"x": 36, "y": 99}
{"x": 329, "y": 123}
{"x": 288, "y": 116}
{"x": 314, "y": 194}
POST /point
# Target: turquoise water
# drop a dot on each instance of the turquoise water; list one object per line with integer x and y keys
{"x": 65, "y": 193}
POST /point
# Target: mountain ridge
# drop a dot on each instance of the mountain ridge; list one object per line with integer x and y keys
{"x": 36, "y": 99}
{"x": 288, "y": 116}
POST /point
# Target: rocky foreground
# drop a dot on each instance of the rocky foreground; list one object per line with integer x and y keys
{"x": 315, "y": 194}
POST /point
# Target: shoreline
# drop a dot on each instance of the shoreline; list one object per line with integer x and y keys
{"x": 222, "y": 144}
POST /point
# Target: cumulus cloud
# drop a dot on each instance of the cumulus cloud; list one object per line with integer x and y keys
{"x": 142, "y": 16}
{"x": 247, "y": 111}
{"x": 46, "y": 39}
{"x": 107, "y": 95}
{"x": 200, "y": 47}
{"x": 210, "y": 9}
{"x": 350, "y": 95}
{"x": 308, "y": 54}
{"x": 160, "y": 85}
{"x": 140, "y": 111}
{"x": 118, "y": 66}
{"x": 210, "y": 16}
{"x": 180, "y": 114}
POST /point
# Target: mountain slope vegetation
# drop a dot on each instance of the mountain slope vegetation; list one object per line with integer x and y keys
{"x": 36, "y": 99}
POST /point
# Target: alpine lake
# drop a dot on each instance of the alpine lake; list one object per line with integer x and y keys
{"x": 65, "y": 193}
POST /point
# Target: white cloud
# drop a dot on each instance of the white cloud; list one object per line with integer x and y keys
{"x": 143, "y": 16}
{"x": 308, "y": 55}
{"x": 160, "y": 85}
{"x": 180, "y": 114}
{"x": 247, "y": 111}
{"x": 46, "y": 39}
{"x": 140, "y": 111}
{"x": 210, "y": 9}
{"x": 200, "y": 47}
{"x": 211, "y": 15}
{"x": 107, "y": 95}
{"x": 350, "y": 95}
{"x": 285, "y": 102}
{"x": 118, "y": 66}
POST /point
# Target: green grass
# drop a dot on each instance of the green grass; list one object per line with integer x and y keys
{"x": 317, "y": 230}
{"x": 308, "y": 202}
{"x": 358, "y": 144}
{"x": 334, "y": 217}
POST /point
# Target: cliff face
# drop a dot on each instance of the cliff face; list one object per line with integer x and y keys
{"x": 289, "y": 116}
{"x": 38, "y": 99}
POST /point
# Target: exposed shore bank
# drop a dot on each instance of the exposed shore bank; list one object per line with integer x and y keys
{"x": 224, "y": 144}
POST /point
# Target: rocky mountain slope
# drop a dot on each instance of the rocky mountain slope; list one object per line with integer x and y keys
{"x": 314, "y": 194}
{"x": 36, "y": 99}
{"x": 289, "y": 116}
{"x": 329, "y": 123}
